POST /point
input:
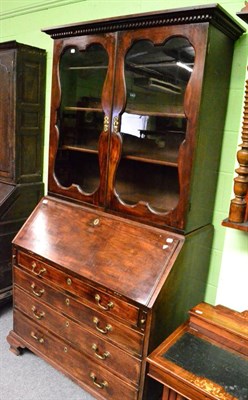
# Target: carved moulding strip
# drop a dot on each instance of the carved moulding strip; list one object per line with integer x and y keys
{"x": 211, "y": 13}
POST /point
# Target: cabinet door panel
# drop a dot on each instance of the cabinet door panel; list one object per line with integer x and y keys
{"x": 84, "y": 68}
{"x": 7, "y": 94}
{"x": 30, "y": 100}
{"x": 154, "y": 121}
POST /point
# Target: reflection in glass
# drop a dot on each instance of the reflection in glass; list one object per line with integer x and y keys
{"x": 154, "y": 125}
{"x": 80, "y": 116}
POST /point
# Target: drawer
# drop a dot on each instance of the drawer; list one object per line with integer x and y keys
{"x": 104, "y": 352}
{"x": 102, "y": 325}
{"x": 89, "y": 374}
{"x": 97, "y": 299}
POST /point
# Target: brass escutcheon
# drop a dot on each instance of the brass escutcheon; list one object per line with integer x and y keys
{"x": 106, "y": 124}
{"x": 67, "y": 302}
{"x": 116, "y": 124}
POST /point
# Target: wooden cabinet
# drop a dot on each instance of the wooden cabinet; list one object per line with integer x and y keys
{"x": 129, "y": 131}
{"x": 22, "y": 93}
{"x": 110, "y": 262}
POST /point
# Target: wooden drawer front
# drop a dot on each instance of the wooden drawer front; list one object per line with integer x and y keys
{"x": 104, "y": 302}
{"x": 108, "y": 355}
{"x": 85, "y": 371}
{"x": 105, "y": 326}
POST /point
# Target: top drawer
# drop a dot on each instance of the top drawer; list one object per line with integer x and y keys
{"x": 98, "y": 299}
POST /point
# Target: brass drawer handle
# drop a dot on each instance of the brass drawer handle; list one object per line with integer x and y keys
{"x": 37, "y": 314}
{"x": 100, "y": 385}
{"x": 105, "y": 308}
{"x": 103, "y": 356}
{"x": 40, "y": 272}
{"x": 34, "y": 336}
{"x": 39, "y": 293}
{"x": 105, "y": 330}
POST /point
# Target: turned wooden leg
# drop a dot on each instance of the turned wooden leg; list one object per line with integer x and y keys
{"x": 239, "y": 205}
{"x": 16, "y": 345}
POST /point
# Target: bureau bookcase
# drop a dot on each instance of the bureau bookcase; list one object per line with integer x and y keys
{"x": 22, "y": 113}
{"x": 115, "y": 255}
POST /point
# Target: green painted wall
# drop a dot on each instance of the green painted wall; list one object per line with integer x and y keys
{"x": 22, "y": 20}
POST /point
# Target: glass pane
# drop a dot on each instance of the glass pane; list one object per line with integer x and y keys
{"x": 80, "y": 117}
{"x": 154, "y": 125}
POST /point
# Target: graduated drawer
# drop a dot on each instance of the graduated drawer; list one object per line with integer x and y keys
{"x": 88, "y": 373}
{"x": 106, "y": 353}
{"x": 97, "y": 299}
{"x": 102, "y": 325}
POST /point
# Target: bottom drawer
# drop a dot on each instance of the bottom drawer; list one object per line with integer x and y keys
{"x": 70, "y": 361}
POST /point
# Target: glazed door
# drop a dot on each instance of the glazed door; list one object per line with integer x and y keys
{"x": 81, "y": 116}
{"x": 156, "y": 103}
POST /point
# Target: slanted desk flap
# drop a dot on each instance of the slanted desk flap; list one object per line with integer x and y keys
{"x": 130, "y": 258}
{"x": 5, "y": 193}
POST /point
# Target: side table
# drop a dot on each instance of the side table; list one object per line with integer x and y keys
{"x": 205, "y": 358}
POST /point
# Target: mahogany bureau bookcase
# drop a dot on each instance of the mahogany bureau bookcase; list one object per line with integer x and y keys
{"x": 22, "y": 112}
{"x": 110, "y": 262}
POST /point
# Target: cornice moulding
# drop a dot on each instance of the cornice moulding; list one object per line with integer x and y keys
{"x": 213, "y": 14}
